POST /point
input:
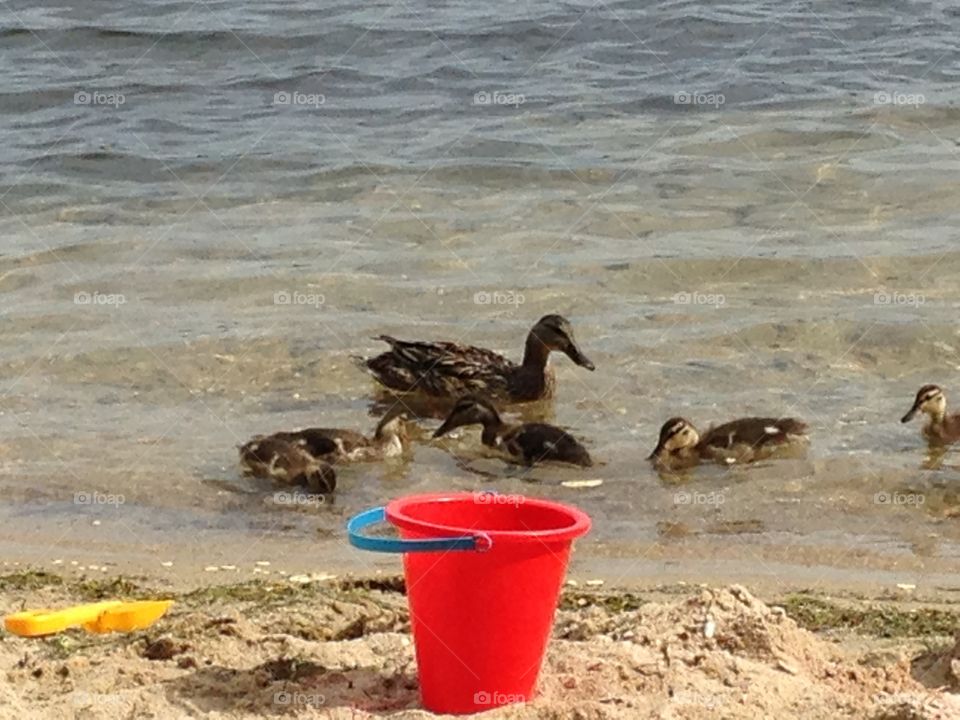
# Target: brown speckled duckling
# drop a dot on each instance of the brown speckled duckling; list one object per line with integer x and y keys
{"x": 450, "y": 370}
{"x": 334, "y": 445}
{"x": 941, "y": 429}
{"x": 737, "y": 441}
{"x": 528, "y": 443}
{"x": 287, "y": 463}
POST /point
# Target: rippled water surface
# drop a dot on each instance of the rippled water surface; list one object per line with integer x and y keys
{"x": 743, "y": 208}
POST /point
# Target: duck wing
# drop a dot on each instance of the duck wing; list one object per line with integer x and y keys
{"x": 255, "y": 456}
{"x": 439, "y": 368}
{"x": 272, "y": 457}
{"x": 535, "y": 442}
{"x": 753, "y": 432}
{"x": 287, "y": 463}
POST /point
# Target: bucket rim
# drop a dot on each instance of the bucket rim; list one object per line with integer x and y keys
{"x": 579, "y": 526}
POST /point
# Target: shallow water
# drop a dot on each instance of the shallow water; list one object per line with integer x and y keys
{"x": 787, "y": 251}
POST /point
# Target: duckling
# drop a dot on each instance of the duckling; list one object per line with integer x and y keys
{"x": 450, "y": 370}
{"x": 288, "y": 463}
{"x": 333, "y": 445}
{"x": 743, "y": 440}
{"x": 941, "y": 429}
{"x": 528, "y": 443}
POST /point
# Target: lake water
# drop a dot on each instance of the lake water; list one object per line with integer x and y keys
{"x": 743, "y": 208}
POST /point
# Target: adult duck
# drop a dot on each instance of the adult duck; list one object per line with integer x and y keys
{"x": 450, "y": 370}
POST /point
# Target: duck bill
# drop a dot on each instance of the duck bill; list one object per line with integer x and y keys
{"x": 910, "y": 415}
{"x": 574, "y": 352}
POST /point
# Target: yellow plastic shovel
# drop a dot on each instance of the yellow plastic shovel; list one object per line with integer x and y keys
{"x": 101, "y": 617}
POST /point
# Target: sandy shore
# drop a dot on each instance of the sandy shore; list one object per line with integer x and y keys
{"x": 341, "y": 648}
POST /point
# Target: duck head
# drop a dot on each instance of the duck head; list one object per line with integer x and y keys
{"x": 469, "y": 410}
{"x": 555, "y": 333}
{"x": 676, "y": 434}
{"x": 930, "y": 400}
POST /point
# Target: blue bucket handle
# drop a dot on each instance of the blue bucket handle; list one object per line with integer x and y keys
{"x": 480, "y": 542}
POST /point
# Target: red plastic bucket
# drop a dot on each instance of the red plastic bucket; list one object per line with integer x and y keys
{"x": 483, "y": 574}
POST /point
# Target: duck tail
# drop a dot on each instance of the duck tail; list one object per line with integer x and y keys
{"x": 792, "y": 426}
{"x": 361, "y": 362}
{"x": 366, "y": 363}
{"x": 583, "y": 458}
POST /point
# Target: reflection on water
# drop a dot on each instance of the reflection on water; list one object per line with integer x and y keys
{"x": 935, "y": 458}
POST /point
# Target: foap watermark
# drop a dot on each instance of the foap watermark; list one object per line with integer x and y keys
{"x": 495, "y": 698}
{"x": 698, "y": 498}
{"x": 698, "y": 298}
{"x": 291, "y": 697}
{"x": 299, "y": 99}
{"x": 498, "y": 98}
{"x": 497, "y": 297}
{"x": 898, "y": 298}
{"x": 99, "y": 298}
{"x": 298, "y": 498}
{"x": 96, "y": 97}
{"x": 709, "y": 99}
{"x": 97, "y": 498}
{"x": 899, "y": 98}
{"x": 898, "y": 498}
{"x": 485, "y": 497}
{"x": 284, "y": 297}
